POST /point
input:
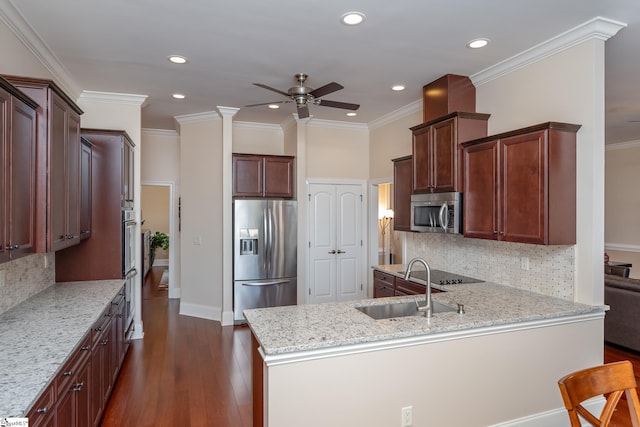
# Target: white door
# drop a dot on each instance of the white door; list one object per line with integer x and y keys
{"x": 335, "y": 243}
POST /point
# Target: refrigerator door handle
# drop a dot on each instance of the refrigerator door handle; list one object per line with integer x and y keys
{"x": 275, "y": 282}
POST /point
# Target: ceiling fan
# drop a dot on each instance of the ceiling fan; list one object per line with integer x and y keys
{"x": 303, "y": 96}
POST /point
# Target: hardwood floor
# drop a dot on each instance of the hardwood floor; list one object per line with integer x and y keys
{"x": 185, "y": 372}
{"x": 193, "y": 372}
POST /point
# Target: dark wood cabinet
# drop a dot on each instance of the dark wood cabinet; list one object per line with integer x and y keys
{"x": 100, "y": 257}
{"x": 437, "y": 155}
{"x": 383, "y": 284}
{"x": 42, "y": 413}
{"x": 86, "y": 154}
{"x": 73, "y": 385}
{"x": 263, "y": 176}
{"x": 520, "y": 186}
{"x": 58, "y": 158}
{"x": 17, "y": 173}
{"x": 402, "y": 175}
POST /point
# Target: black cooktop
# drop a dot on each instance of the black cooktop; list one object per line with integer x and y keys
{"x": 440, "y": 277}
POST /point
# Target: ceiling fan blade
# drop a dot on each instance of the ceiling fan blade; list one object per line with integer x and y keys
{"x": 326, "y": 89}
{"x": 267, "y": 103}
{"x": 336, "y": 104}
{"x": 303, "y": 112}
{"x": 271, "y": 89}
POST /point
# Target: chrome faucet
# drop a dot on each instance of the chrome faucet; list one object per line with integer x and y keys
{"x": 428, "y": 308}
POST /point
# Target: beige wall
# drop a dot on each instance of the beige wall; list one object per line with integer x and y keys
{"x": 337, "y": 152}
{"x": 201, "y": 212}
{"x": 256, "y": 138}
{"x": 155, "y": 213}
{"x": 622, "y": 204}
{"x": 567, "y": 87}
{"x": 389, "y": 141}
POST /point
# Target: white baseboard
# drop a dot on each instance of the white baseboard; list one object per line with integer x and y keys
{"x": 201, "y": 311}
{"x": 227, "y": 318}
{"x": 138, "y": 331}
{"x": 161, "y": 262}
{"x": 174, "y": 293}
{"x": 554, "y": 418}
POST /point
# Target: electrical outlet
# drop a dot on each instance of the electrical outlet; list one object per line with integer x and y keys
{"x": 407, "y": 416}
{"x": 524, "y": 263}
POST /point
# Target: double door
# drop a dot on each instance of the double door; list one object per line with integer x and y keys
{"x": 335, "y": 243}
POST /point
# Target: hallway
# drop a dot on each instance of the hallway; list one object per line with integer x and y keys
{"x": 185, "y": 372}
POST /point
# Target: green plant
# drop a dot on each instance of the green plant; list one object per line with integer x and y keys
{"x": 159, "y": 240}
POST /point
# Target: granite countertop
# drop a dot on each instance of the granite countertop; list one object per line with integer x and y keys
{"x": 39, "y": 335}
{"x": 311, "y": 327}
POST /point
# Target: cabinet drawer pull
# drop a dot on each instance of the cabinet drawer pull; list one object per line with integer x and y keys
{"x": 85, "y": 348}
{"x": 67, "y": 373}
{"x": 105, "y": 342}
{"x": 98, "y": 329}
{"x": 42, "y": 410}
{"x": 78, "y": 386}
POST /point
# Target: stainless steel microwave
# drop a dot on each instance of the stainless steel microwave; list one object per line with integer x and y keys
{"x": 436, "y": 213}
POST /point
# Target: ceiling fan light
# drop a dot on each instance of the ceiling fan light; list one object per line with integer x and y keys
{"x": 352, "y": 18}
{"x": 177, "y": 59}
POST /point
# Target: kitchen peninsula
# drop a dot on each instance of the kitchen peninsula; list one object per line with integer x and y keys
{"x": 499, "y": 361}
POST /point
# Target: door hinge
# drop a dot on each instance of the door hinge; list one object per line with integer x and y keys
{"x": 309, "y": 291}
{"x": 361, "y": 287}
{"x": 360, "y": 242}
{"x": 361, "y": 198}
{"x": 309, "y": 196}
{"x": 309, "y": 243}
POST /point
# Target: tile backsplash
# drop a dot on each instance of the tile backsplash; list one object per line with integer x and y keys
{"x": 24, "y": 278}
{"x": 547, "y": 270}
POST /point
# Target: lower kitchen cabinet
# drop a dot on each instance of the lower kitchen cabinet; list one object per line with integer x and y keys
{"x": 79, "y": 392}
{"x": 383, "y": 284}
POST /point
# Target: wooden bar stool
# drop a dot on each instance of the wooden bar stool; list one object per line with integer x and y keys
{"x": 613, "y": 379}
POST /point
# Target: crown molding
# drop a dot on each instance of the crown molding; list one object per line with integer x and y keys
{"x": 598, "y": 28}
{"x": 398, "y": 114}
{"x": 113, "y": 98}
{"x": 259, "y": 126}
{"x": 335, "y": 124}
{"x": 622, "y": 145}
{"x": 197, "y": 117}
{"x": 159, "y": 132}
{"x": 288, "y": 123}
{"x": 40, "y": 50}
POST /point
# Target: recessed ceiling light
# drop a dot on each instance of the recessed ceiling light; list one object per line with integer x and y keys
{"x": 274, "y": 106}
{"x": 178, "y": 96}
{"x": 478, "y": 43}
{"x": 352, "y": 114}
{"x": 352, "y": 18}
{"x": 177, "y": 59}
{"x": 398, "y": 88}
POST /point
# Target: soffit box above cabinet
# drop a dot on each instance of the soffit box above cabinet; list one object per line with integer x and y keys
{"x": 448, "y": 94}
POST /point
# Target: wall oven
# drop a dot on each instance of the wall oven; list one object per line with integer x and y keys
{"x": 129, "y": 226}
{"x": 437, "y": 213}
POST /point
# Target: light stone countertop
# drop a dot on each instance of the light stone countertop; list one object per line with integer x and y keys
{"x": 313, "y": 327}
{"x": 39, "y": 335}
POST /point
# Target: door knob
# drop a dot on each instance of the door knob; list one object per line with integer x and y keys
{"x": 332, "y": 252}
{"x": 341, "y": 252}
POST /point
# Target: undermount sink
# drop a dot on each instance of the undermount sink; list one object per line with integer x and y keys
{"x": 400, "y": 309}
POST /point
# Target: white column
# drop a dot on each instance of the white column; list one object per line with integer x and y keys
{"x": 227, "y": 114}
{"x": 303, "y": 203}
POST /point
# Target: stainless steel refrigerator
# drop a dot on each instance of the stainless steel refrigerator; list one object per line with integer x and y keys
{"x": 264, "y": 254}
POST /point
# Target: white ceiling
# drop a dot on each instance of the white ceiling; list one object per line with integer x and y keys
{"x": 122, "y": 46}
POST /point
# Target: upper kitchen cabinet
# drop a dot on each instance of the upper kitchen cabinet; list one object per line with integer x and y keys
{"x": 437, "y": 155}
{"x": 17, "y": 173}
{"x": 257, "y": 175}
{"x": 402, "y": 173}
{"x": 58, "y": 158}
{"x": 100, "y": 257}
{"x": 520, "y": 186}
{"x": 86, "y": 153}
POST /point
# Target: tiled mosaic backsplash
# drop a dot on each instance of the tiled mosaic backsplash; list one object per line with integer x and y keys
{"x": 550, "y": 268}
{"x": 24, "y": 278}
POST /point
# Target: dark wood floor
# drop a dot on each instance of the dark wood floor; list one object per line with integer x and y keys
{"x": 193, "y": 372}
{"x": 185, "y": 372}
